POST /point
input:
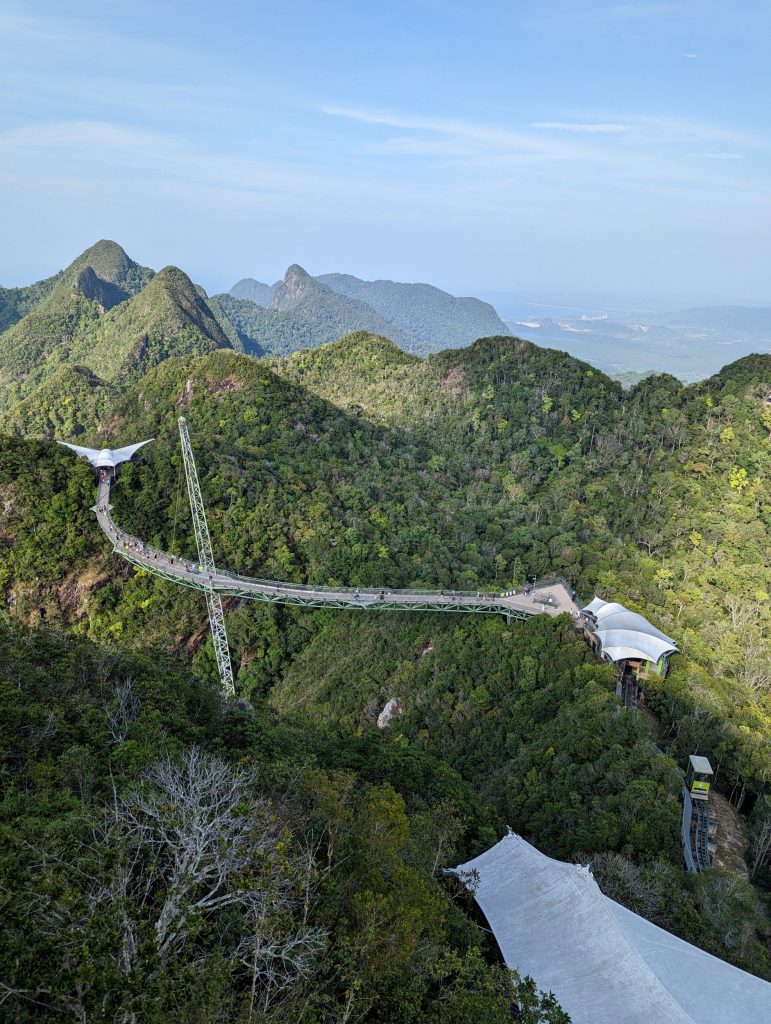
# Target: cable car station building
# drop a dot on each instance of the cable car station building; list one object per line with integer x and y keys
{"x": 628, "y": 641}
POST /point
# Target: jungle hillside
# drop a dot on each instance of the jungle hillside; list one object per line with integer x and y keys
{"x": 316, "y": 890}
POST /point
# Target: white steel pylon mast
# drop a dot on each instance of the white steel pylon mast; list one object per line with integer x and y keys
{"x": 206, "y": 558}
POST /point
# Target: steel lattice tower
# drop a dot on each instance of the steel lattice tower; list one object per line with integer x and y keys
{"x": 206, "y": 558}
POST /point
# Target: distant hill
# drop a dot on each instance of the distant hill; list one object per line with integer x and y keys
{"x": 736, "y": 319}
{"x": 119, "y": 276}
{"x": 254, "y": 291}
{"x": 435, "y": 318}
{"x": 303, "y": 313}
{"x": 630, "y": 378}
{"x": 167, "y": 318}
{"x": 335, "y": 314}
{"x": 420, "y": 318}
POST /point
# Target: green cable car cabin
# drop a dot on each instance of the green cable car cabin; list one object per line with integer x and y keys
{"x": 698, "y": 777}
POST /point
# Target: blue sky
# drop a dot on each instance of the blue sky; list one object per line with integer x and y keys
{"x": 527, "y": 147}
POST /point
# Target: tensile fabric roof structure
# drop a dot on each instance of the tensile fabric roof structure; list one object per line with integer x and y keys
{"x": 106, "y": 458}
{"x": 624, "y": 635}
{"x": 605, "y": 964}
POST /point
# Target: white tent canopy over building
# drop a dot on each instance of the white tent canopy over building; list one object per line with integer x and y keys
{"x": 106, "y": 458}
{"x": 605, "y": 964}
{"x": 622, "y": 635}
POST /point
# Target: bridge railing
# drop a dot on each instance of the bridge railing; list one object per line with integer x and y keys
{"x": 121, "y": 538}
{"x": 552, "y": 581}
{"x": 366, "y": 591}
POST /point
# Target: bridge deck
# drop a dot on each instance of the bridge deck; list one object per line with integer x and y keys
{"x": 549, "y": 597}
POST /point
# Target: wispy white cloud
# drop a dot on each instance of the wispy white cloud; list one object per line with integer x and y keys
{"x": 652, "y": 159}
{"x": 85, "y": 155}
{"x": 580, "y": 139}
{"x": 454, "y": 136}
{"x": 589, "y": 127}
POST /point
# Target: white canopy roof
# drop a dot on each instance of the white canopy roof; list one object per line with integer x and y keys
{"x": 625, "y": 635}
{"x": 594, "y": 605}
{"x": 604, "y": 964}
{"x": 650, "y": 648}
{"x": 106, "y": 458}
{"x": 625, "y": 619}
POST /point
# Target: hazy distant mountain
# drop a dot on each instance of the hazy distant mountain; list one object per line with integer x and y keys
{"x": 418, "y": 317}
{"x": 334, "y": 314}
{"x": 725, "y": 319}
{"x": 691, "y": 344}
{"x": 303, "y": 313}
{"x": 254, "y": 291}
{"x": 434, "y": 317}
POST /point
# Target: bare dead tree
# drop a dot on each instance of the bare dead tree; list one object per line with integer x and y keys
{"x": 122, "y": 711}
{"x": 197, "y": 831}
{"x": 742, "y": 612}
{"x": 195, "y": 840}
{"x": 277, "y": 959}
{"x": 754, "y": 669}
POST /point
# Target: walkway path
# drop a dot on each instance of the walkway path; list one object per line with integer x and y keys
{"x": 550, "y": 597}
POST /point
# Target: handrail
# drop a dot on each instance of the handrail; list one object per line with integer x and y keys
{"x": 148, "y": 550}
{"x": 515, "y": 601}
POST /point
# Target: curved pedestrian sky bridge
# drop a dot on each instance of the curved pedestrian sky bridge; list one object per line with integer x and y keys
{"x": 550, "y": 597}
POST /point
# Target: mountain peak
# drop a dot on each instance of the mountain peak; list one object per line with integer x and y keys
{"x": 172, "y": 277}
{"x": 253, "y": 291}
{"x": 107, "y": 259}
{"x": 296, "y": 286}
{"x": 105, "y": 251}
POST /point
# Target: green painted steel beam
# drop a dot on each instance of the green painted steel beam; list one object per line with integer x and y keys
{"x": 278, "y": 597}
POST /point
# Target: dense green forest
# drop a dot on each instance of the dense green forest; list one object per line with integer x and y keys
{"x": 312, "y": 891}
{"x": 357, "y": 463}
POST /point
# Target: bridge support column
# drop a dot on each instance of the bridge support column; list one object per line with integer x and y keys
{"x": 206, "y": 558}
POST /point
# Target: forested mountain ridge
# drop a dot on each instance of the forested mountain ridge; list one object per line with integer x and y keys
{"x": 85, "y": 318}
{"x": 106, "y": 259}
{"x": 418, "y": 317}
{"x": 79, "y": 326}
{"x": 358, "y": 463}
{"x": 434, "y": 317}
{"x": 562, "y": 471}
{"x": 303, "y": 313}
